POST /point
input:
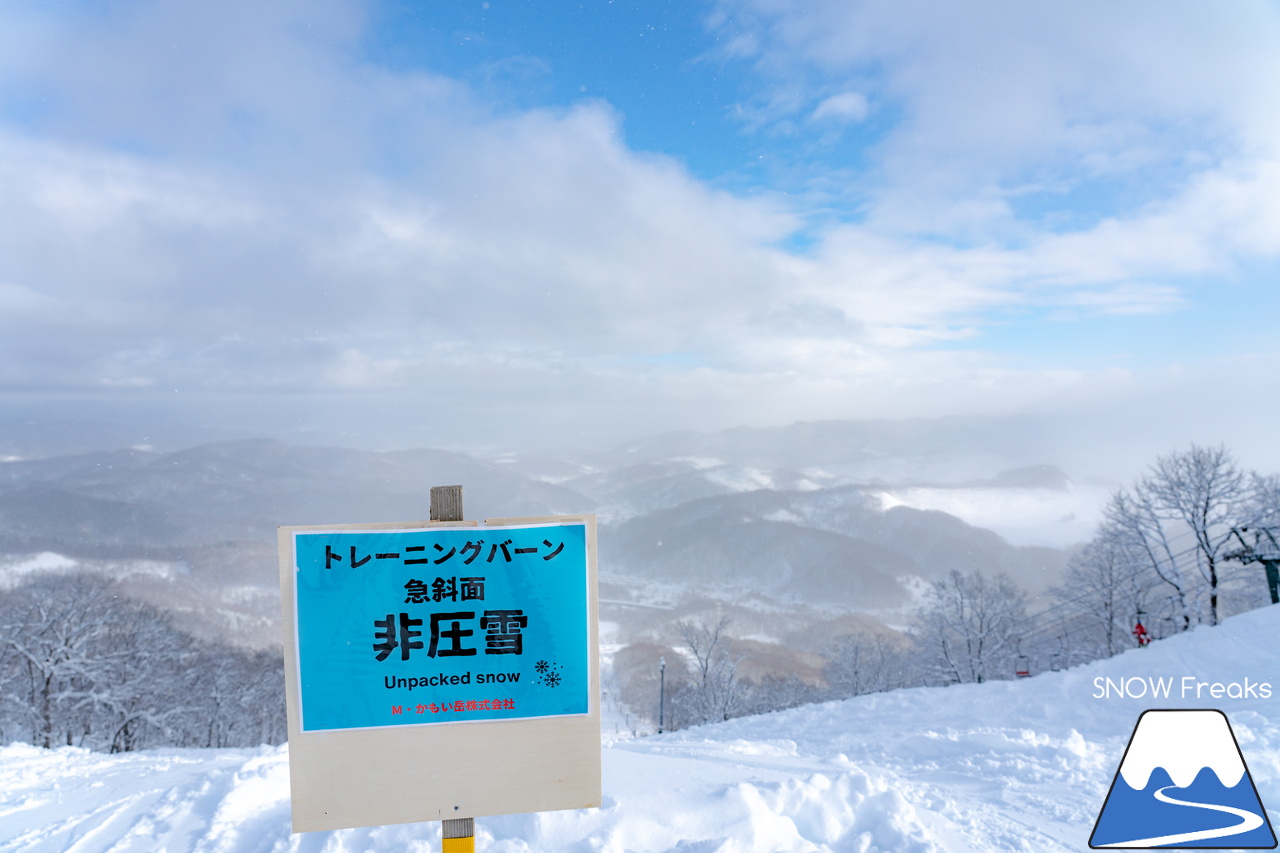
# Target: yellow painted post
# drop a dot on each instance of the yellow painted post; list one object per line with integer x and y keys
{"x": 459, "y": 833}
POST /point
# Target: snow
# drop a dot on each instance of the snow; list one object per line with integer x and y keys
{"x": 700, "y": 463}
{"x": 784, "y": 516}
{"x": 15, "y": 570}
{"x": 740, "y": 479}
{"x": 1023, "y": 516}
{"x": 1003, "y": 766}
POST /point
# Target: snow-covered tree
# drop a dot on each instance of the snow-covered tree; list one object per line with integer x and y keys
{"x": 969, "y": 626}
{"x": 778, "y": 692}
{"x": 867, "y": 662}
{"x": 714, "y": 691}
{"x": 1201, "y": 491}
{"x": 56, "y": 632}
{"x": 1105, "y": 588}
{"x": 1175, "y": 524}
{"x": 1263, "y": 506}
{"x": 1133, "y": 525}
{"x": 82, "y": 664}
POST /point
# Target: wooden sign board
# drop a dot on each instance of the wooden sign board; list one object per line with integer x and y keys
{"x": 439, "y": 670}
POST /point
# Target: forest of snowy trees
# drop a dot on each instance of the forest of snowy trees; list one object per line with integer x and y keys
{"x": 1169, "y": 548}
{"x": 1167, "y": 554}
{"x": 83, "y": 665}
{"x": 1170, "y": 553}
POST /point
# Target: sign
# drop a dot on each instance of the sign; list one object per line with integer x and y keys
{"x": 1183, "y": 783}
{"x": 440, "y": 670}
{"x": 423, "y": 627}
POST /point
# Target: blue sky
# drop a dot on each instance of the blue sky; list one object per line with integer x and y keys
{"x": 509, "y": 221}
{"x": 662, "y": 66}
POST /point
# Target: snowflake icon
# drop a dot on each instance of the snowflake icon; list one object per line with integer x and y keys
{"x": 548, "y": 673}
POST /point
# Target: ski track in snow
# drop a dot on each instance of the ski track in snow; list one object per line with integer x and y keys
{"x": 1004, "y": 766}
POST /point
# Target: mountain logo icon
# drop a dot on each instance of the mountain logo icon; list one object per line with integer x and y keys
{"x": 1183, "y": 784}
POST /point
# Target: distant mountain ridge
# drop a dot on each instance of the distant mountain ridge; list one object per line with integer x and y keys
{"x": 678, "y": 533}
{"x": 943, "y": 449}
{"x": 241, "y": 491}
{"x": 832, "y": 546}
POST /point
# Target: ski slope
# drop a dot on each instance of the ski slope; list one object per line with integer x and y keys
{"x": 1004, "y": 766}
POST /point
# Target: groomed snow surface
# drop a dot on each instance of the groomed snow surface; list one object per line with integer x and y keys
{"x": 1002, "y": 766}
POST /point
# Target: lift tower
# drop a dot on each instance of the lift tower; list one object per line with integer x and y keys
{"x": 1263, "y": 549}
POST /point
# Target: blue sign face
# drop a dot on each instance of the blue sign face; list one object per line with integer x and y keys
{"x": 423, "y": 626}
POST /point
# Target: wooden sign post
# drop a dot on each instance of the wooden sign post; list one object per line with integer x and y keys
{"x": 458, "y": 835}
{"x": 441, "y": 670}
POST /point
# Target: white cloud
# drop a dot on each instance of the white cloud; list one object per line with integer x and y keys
{"x": 993, "y": 94}
{"x": 225, "y": 198}
{"x": 844, "y": 107}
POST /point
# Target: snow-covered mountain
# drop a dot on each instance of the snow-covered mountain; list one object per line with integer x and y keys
{"x": 787, "y": 530}
{"x": 132, "y": 501}
{"x": 1001, "y": 766}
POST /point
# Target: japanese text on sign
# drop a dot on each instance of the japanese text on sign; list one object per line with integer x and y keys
{"x": 369, "y": 618}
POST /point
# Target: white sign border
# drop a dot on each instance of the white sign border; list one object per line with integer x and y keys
{"x": 409, "y": 773}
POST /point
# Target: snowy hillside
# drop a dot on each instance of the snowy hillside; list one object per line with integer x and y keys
{"x": 1006, "y": 766}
